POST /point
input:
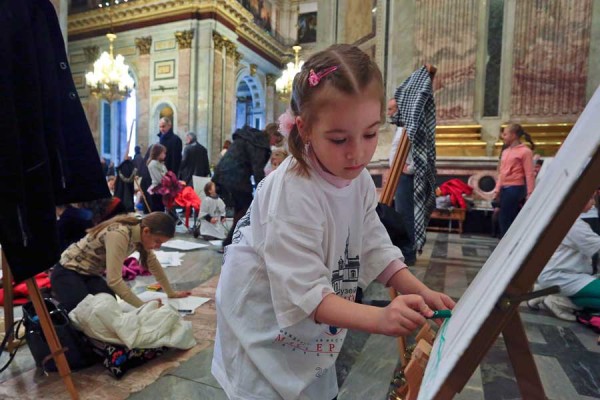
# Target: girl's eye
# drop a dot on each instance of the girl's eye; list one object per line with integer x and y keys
{"x": 370, "y": 135}
{"x": 338, "y": 141}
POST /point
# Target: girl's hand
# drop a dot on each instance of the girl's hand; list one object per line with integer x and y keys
{"x": 403, "y": 315}
{"x": 437, "y": 300}
{"x": 180, "y": 294}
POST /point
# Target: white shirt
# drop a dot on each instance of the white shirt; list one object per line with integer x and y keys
{"x": 395, "y": 143}
{"x": 214, "y": 208}
{"x": 571, "y": 265}
{"x": 301, "y": 240}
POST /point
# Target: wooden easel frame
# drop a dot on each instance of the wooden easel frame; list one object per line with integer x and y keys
{"x": 505, "y": 317}
{"x": 58, "y": 353}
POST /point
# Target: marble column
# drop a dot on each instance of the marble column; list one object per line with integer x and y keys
{"x": 551, "y": 48}
{"x": 270, "y": 107}
{"x": 144, "y": 46}
{"x": 216, "y": 134}
{"x": 229, "y": 99}
{"x": 91, "y": 105}
{"x": 326, "y": 23}
{"x": 184, "y": 42}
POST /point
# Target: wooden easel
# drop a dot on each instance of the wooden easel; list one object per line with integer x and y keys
{"x": 505, "y": 317}
{"x": 58, "y": 353}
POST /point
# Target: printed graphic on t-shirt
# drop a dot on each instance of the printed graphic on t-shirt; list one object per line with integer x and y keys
{"x": 344, "y": 281}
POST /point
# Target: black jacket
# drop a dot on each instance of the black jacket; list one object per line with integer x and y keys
{"x": 47, "y": 153}
{"x": 173, "y": 144}
{"x": 246, "y": 157}
{"x": 194, "y": 162}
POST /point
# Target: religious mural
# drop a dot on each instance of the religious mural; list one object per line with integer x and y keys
{"x": 307, "y": 27}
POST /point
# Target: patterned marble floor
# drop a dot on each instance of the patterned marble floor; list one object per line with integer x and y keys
{"x": 566, "y": 354}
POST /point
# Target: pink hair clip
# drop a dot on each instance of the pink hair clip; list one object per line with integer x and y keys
{"x": 314, "y": 78}
{"x": 286, "y": 123}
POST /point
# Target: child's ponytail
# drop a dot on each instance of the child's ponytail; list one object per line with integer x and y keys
{"x": 296, "y": 147}
{"x": 520, "y": 132}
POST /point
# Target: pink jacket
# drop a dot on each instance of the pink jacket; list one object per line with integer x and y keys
{"x": 516, "y": 168}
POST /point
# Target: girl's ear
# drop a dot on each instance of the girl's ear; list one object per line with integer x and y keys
{"x": 302, "y": 129}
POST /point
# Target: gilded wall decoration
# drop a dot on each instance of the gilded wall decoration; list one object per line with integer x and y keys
{"x": 144, "y": 44}
{"x": 164, "y": 70}
{"x": 184, "y": 38}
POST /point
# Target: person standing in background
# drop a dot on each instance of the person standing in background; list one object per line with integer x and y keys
{"x": 172, "y": 142}
{"x": 515, "y": 179}
{"x": 195, "y": 160}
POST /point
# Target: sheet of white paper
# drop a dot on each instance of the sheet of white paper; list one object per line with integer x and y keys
{"x": 179, "y": 244}
{"x": 484, "y": 292}
{"x": 185, "y": 303}
{"x": 169, "y": 258}
{"x": 218, "y": 243}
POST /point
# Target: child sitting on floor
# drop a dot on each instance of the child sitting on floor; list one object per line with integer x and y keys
{"x": 212, "y": 212}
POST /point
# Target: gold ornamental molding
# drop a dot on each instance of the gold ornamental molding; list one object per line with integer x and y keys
{"x": 271, "y": 78}
{"x": 91, "y": 53}
{"x": 143, "y": 13}
{"x": 237, "y": 57}
{"x": 219, "y": 40}
{"x": 144, "y": 44}
{"x": 184, "y": 38}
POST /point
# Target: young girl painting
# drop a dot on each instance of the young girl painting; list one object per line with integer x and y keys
{"x": 285, "y": 298}
{"x": 515, "y": 177}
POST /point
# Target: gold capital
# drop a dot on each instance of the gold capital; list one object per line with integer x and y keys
{"x": 237, "y": 56}
{"x": 144, "y": 44}
{"x": 91, "y": 53}
{"x": 271, "y": 78}
{"x": 184, "y": 38}
{"x": 253, "y": 68}
{"x": 219, "y": 40}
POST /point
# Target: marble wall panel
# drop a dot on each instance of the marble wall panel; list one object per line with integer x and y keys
{"x": 445, "y": 35}
{"x": 551, "y": 47}
{"x": 358, "y": 20}
{"x": 183, "y": 90}
{"x": 143, "y": 101}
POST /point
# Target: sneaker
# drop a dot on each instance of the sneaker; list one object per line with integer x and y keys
{"x": 534, "y": 304}
{"x": 560, "y": 308}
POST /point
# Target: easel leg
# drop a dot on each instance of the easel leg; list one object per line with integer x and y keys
{"x": 521, "y": 358}
{"x": 51, "y": 337}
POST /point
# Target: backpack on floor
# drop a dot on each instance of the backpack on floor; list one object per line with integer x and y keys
{"x": 590, "y": 319}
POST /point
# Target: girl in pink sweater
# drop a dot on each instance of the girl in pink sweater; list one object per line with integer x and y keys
{"x": 515, "y": 178}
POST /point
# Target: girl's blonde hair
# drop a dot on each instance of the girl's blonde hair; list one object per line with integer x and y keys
{"x": 354, "y": 74}
{"x": 156, "y": 151}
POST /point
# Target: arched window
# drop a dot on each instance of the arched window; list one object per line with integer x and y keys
{"x": 117, "y": 126}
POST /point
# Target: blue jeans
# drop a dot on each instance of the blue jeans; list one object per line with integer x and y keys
{"x": 405, "y": 205}
{"x": 511, "y": 198}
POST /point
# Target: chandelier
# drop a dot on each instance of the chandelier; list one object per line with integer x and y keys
{"x": 110, "y": 80}
{"x": 283, "y": 85}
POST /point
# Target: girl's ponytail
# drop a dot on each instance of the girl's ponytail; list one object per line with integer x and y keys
{"x": 521, "y": 133}
{"x": 296, "y": 147}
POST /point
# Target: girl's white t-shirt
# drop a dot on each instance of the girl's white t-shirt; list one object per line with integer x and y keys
{"x": 570, "y": 267}
{"x": 301, "y": 240}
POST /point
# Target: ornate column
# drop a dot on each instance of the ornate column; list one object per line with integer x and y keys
{"x": 144, "y": 46}
{"x": 270, "y": 108}
{"x": 184, "y": 43}
{"x": 233, "y": 59}
{"x": 218, "y": 96}
{"x": 91, "y": 105}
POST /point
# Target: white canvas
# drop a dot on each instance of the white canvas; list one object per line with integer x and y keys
{"x": 484, "y": 292}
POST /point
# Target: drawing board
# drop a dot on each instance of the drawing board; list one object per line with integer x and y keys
{"x": 517, "y": 260}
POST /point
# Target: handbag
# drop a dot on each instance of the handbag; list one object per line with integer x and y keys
{"x": 77, "y": 351}
{"x": 394, "y": 225}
